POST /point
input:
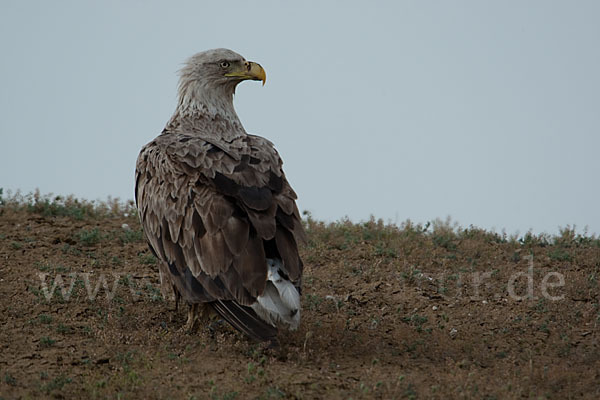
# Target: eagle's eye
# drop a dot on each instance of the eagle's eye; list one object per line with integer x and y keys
{"x": 224, "y": 64}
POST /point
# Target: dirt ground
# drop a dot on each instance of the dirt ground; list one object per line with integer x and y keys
{"x": 411, "y": 312}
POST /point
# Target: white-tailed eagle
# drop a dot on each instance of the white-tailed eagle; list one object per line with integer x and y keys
{"x": 216, "y": 207}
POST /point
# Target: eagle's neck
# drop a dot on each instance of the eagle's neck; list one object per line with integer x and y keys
{"x": 207, "y": 111}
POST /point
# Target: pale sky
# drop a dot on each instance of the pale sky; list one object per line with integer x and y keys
{"x": 488, "y": 112}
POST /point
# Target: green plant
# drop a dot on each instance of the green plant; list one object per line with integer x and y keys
{"x": 88, "y": 237}
{"x": 45, "y": 319}
{"x": 64, "y": 329}
{"x": 147, "y": 258}
{"x": 417, "y": 321}
{"x": 559, "y": 254}
{"x": 410, "y": 392}
{"x": 274, "y": 393}
{"x": 131, "y": 236}
{"x": 313, "y": 301}
{"x": 9, "y": 379}
{"x": 45, "y": 341}
{"x": 251, "y": 376}
{"x": 56, "y": 384}
{"x": 445, "y": 240}
{"x": 153, "y": 292}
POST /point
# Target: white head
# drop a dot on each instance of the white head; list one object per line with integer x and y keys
{"x": 208, "y": 81}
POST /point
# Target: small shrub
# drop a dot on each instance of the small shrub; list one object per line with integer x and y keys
{"x": 8, "y": 378}
{"x": 64, "y": 329}
{"x": 131, "y": 236}
{"x": 56, "y": 384}
{"x": 45, "y": 319}
{"x": 46, "y": 341}
{"x": 559, "y": 254}
{"x": 88, "y": 237}
{"x": 146, "y": 258}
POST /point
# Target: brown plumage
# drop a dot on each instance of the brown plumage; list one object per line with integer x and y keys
{"x": 216, "y": 207}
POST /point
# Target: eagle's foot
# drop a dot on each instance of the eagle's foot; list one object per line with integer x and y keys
{"x": 199, "y": 314}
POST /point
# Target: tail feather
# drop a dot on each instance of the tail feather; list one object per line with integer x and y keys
{"x": 279, "y": 304}
{"x": 288, "y": 293}
{"x": 245, "y": 320}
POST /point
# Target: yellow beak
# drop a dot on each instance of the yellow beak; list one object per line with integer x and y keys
{"x": 250, "y": 70}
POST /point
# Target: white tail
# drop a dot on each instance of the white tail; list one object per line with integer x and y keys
{"x": 279, "y": 305}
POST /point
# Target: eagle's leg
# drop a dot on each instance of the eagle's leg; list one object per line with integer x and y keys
{"x": 199, "y": 313}
{"x": 192, "y": 317}
{"x": 205, "y": 312}
{"x": 177, "y": 298}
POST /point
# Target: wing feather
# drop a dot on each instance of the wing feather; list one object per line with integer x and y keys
{"x": 289, "y": 253}
{"x": 208, "y": 209}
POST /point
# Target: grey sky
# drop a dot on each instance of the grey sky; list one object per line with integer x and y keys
{"x": 485, "y": 111}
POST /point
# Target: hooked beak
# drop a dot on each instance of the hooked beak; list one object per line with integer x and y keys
{"x": 249, "y": 70}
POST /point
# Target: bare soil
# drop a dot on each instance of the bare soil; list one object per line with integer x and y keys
{"x": 388, "y": 312}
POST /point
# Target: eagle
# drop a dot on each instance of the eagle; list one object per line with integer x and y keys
{"x": 216, "y": 208}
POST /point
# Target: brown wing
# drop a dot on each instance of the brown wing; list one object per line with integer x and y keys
{"x": 214, "y": 213}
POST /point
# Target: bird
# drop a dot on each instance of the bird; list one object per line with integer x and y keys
{"x": 216, "y": 208}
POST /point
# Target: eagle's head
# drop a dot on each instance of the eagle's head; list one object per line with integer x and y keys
{"x": 221, "y": 67}
{"x": 209, "y": 79}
